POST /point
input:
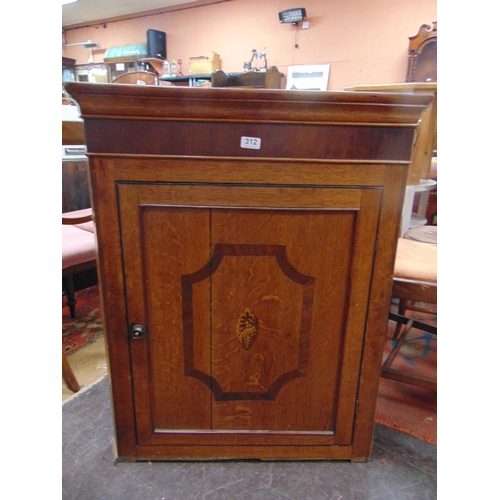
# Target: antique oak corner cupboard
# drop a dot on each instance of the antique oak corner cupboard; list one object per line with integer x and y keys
{"x": 246, "y": 245}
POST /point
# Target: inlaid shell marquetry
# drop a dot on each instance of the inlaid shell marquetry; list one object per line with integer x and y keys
{"x": 241, "y": 376}
{"x": 247, "y": 329}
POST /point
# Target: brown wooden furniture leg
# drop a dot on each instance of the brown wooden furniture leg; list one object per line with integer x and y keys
{"x": 393, "y": 374}
{"x": 68, "y": 375}
{"x": 70, "y": 294}
{"x": 403, "y": 305}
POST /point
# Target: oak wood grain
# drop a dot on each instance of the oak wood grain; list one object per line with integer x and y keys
{"x": 262, "y": 277}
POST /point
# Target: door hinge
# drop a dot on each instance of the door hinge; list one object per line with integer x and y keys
{"x": 356, "y": 406}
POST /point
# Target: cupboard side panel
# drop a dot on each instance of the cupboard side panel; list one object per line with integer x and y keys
{"x": 360, "y": 278}
{"x": 112, "y": 293}
{"x": 133, "y": 264}
{"x": 380, "y": 297}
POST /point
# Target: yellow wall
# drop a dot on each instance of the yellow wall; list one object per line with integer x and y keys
{"x": 364, "y": 41}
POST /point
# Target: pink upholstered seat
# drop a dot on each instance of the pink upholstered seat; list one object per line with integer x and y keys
{"x": 78, "y": 246}
{"x": 86, "y": 226}
{"x": 79, "y": 252}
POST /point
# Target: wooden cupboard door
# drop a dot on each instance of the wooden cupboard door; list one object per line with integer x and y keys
{"x": 272, "y": 286}
{"x": 254, "y": 313}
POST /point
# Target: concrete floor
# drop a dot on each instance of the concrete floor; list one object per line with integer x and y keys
{"x": 402, "y": 467}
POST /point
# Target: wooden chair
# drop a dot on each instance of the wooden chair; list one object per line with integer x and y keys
{"x": 78, "y": 249}
{"x": 415, "y": 279}
{"x": 269, "y": 79}
{"x": 137, "y": 78}
{"x": 415, "y": 273}
{"x": 78, "y": 254}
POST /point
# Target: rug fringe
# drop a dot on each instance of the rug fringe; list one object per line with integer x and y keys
{"x": 417, "y": 435}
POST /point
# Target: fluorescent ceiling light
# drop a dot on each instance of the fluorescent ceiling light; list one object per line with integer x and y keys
{"x": 66, "y": 2}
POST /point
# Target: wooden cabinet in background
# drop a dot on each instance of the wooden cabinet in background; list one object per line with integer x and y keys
{"x": 271, "y": 78}
{"x": 246, "y": 247}
{"x": 75, "y": 170}
{"x": 422, "y": 55}
{"x": 75, "y": 185}
{"x": 426, "y": 140}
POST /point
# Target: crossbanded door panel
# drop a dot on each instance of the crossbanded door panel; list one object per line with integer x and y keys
{"x": 254, "y": 302}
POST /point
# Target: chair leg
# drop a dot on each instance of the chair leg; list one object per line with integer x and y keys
{"x": 70, "y": 293}
{"x": 403, "y": 305}
{"x": 399, "y": 344}
{"x": 68, "y": 375}
{"x": 394, "y": 374}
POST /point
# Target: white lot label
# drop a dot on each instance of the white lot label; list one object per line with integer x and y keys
{"x": 250, "y": 142}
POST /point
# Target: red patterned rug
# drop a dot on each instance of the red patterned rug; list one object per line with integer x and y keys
{"x": 405, "y": 407}
{"x": 88, "y": 325}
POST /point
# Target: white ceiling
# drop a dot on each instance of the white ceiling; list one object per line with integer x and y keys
{"x": 94, "y": 10}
